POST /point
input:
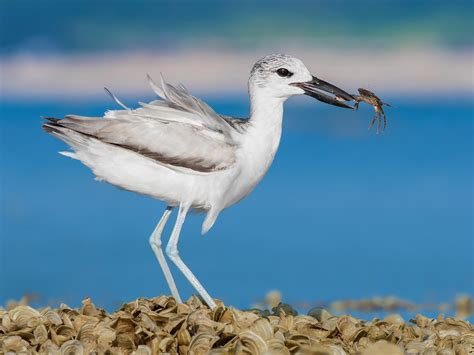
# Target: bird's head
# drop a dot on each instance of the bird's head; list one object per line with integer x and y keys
{"x": 283, "y": 76}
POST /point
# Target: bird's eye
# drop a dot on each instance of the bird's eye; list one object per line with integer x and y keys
{"x": 284, "y": 73}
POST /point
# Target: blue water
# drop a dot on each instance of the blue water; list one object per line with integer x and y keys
{"x": 342, "y": 214}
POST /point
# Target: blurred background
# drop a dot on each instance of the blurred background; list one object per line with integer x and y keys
{"x": 343, "y": 213}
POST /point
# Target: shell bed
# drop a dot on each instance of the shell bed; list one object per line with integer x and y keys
{"x": 159, "y": 326}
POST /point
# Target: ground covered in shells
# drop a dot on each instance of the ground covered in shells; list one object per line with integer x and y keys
{"x": 159, "y": 325}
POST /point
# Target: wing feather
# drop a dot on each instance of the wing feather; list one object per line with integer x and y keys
{"x": 179, "y": 130}
{"x": 180, "y": 99}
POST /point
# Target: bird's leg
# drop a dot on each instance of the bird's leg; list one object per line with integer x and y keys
{"x": 155, "y": 242}
{"x": 172, "y": 252}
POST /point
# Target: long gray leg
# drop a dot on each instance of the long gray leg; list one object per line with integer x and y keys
{"x": 173, "y": 253}
{"x": 155, "y": 242}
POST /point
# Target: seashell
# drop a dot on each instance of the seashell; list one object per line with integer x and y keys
{"x": 286, "y": 322}
{"x": 87, "y": 333}
{"x": 49, "y": 348}
{"x": 72, "y": 347}
{"x": 228, "y": 341}
{"x": 61, "y": 334}
{"x": 262, "y": 328}
{"x": 7, "y": 323}
{"x": 228, "y": 328}
{"x": 41, "y": 334}
{"x": 277, "y": 346}
{"x": 310, "y": 326}
{"x": 361, "y": 345}
{"x": 422, "y": 321}
{"x": 154, "y": 344}
{"x": 321, "y": 349}
{"x": 195, "y": 302}
{"x": 417, "y": 346}
{"x": 202, "y": 343}
{"x": 124, "y": 325}
{"x": 227, "y": 316}
{"x": 448, "y": 342}
{"x": 14, "y": 344}
{"x": 105, "y": 336}
{"x": 220, "y": 351}
{"x": 446, "y": 352}
{"x": 146, "y": 322}
{"x": 297, "y": 340}
{"x": 336, "y": 350}
{"x": 64, "y": 307}
{"x": 175, "y": 322}
{"x": 217, "y": 312}
{"x": 375, "y": 333}
{"x": 200, "y": 320}
{"x": 66, "y": 331}
{"x": 319, "y": 313}
{"x": 25, "y": 316}
{"x": 252, "y": 343}
{"x": 142, "y": 350}
{"x": 125, "y": 340}
{"x": 274, "y": 321}
{"x": 411, "y": 332}
{"x": 330, "y": 324}
{"x": 449, "y": 332}
{"x": 428, "y": 351}
{"x": 183, "y": 337}
{"x": 166, "y": 344}
{"x": 347, "y": 326}
{"x": 285, "y": 309}
{"x": 383, "y": 348}
{"x": 52, "y": 316}
{"x": 89, "y": 308}
{"x": 454, "y": 324}
{"x": 66, "y": 320}
{"x": 394, "y": 319}
{"x": 464, "y": 348}
{"x": 183, "y": 308}
{"x": 467, "y": 339}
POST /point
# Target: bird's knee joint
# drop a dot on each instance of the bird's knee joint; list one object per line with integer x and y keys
{"x": 155, "y": 242}
{"x": 172, "y": 252}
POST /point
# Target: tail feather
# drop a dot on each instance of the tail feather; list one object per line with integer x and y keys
{"x": 71, "y": 155}
{"x": 73, "y": 138}
{"x": 50, "y": 124}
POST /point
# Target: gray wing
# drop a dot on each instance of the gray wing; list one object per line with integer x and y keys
{"x": 179, "y": 130}
{"x": 177, "y": 100}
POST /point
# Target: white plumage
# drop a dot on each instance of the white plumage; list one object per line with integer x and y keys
{"x": 180, "y": 151}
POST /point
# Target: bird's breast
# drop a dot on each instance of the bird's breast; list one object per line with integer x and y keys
{"x": 254, "y": 157}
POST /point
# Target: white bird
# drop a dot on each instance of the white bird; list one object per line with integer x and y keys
{"x": 178, "y": 150}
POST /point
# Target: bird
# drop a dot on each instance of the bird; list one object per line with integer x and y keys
{"x": 177, "y": 149}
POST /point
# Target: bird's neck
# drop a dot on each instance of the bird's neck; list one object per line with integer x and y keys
{"x": 266, "y": 113}
{"x": 264, "y": 131}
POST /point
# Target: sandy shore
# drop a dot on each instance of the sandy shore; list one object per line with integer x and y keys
{"x": 406, "y": 71}
{"x": 159, "y": 325}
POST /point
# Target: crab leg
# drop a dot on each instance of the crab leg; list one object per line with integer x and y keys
{"x": 373, "y": 121}
{"x": 384, "y": 119}
{"x": 379, "y": 123}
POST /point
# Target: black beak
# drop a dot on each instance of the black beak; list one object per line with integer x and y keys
{"x": 314, "y": 87}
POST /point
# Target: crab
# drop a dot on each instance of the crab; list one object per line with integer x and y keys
{"x": 370, "y": 98}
